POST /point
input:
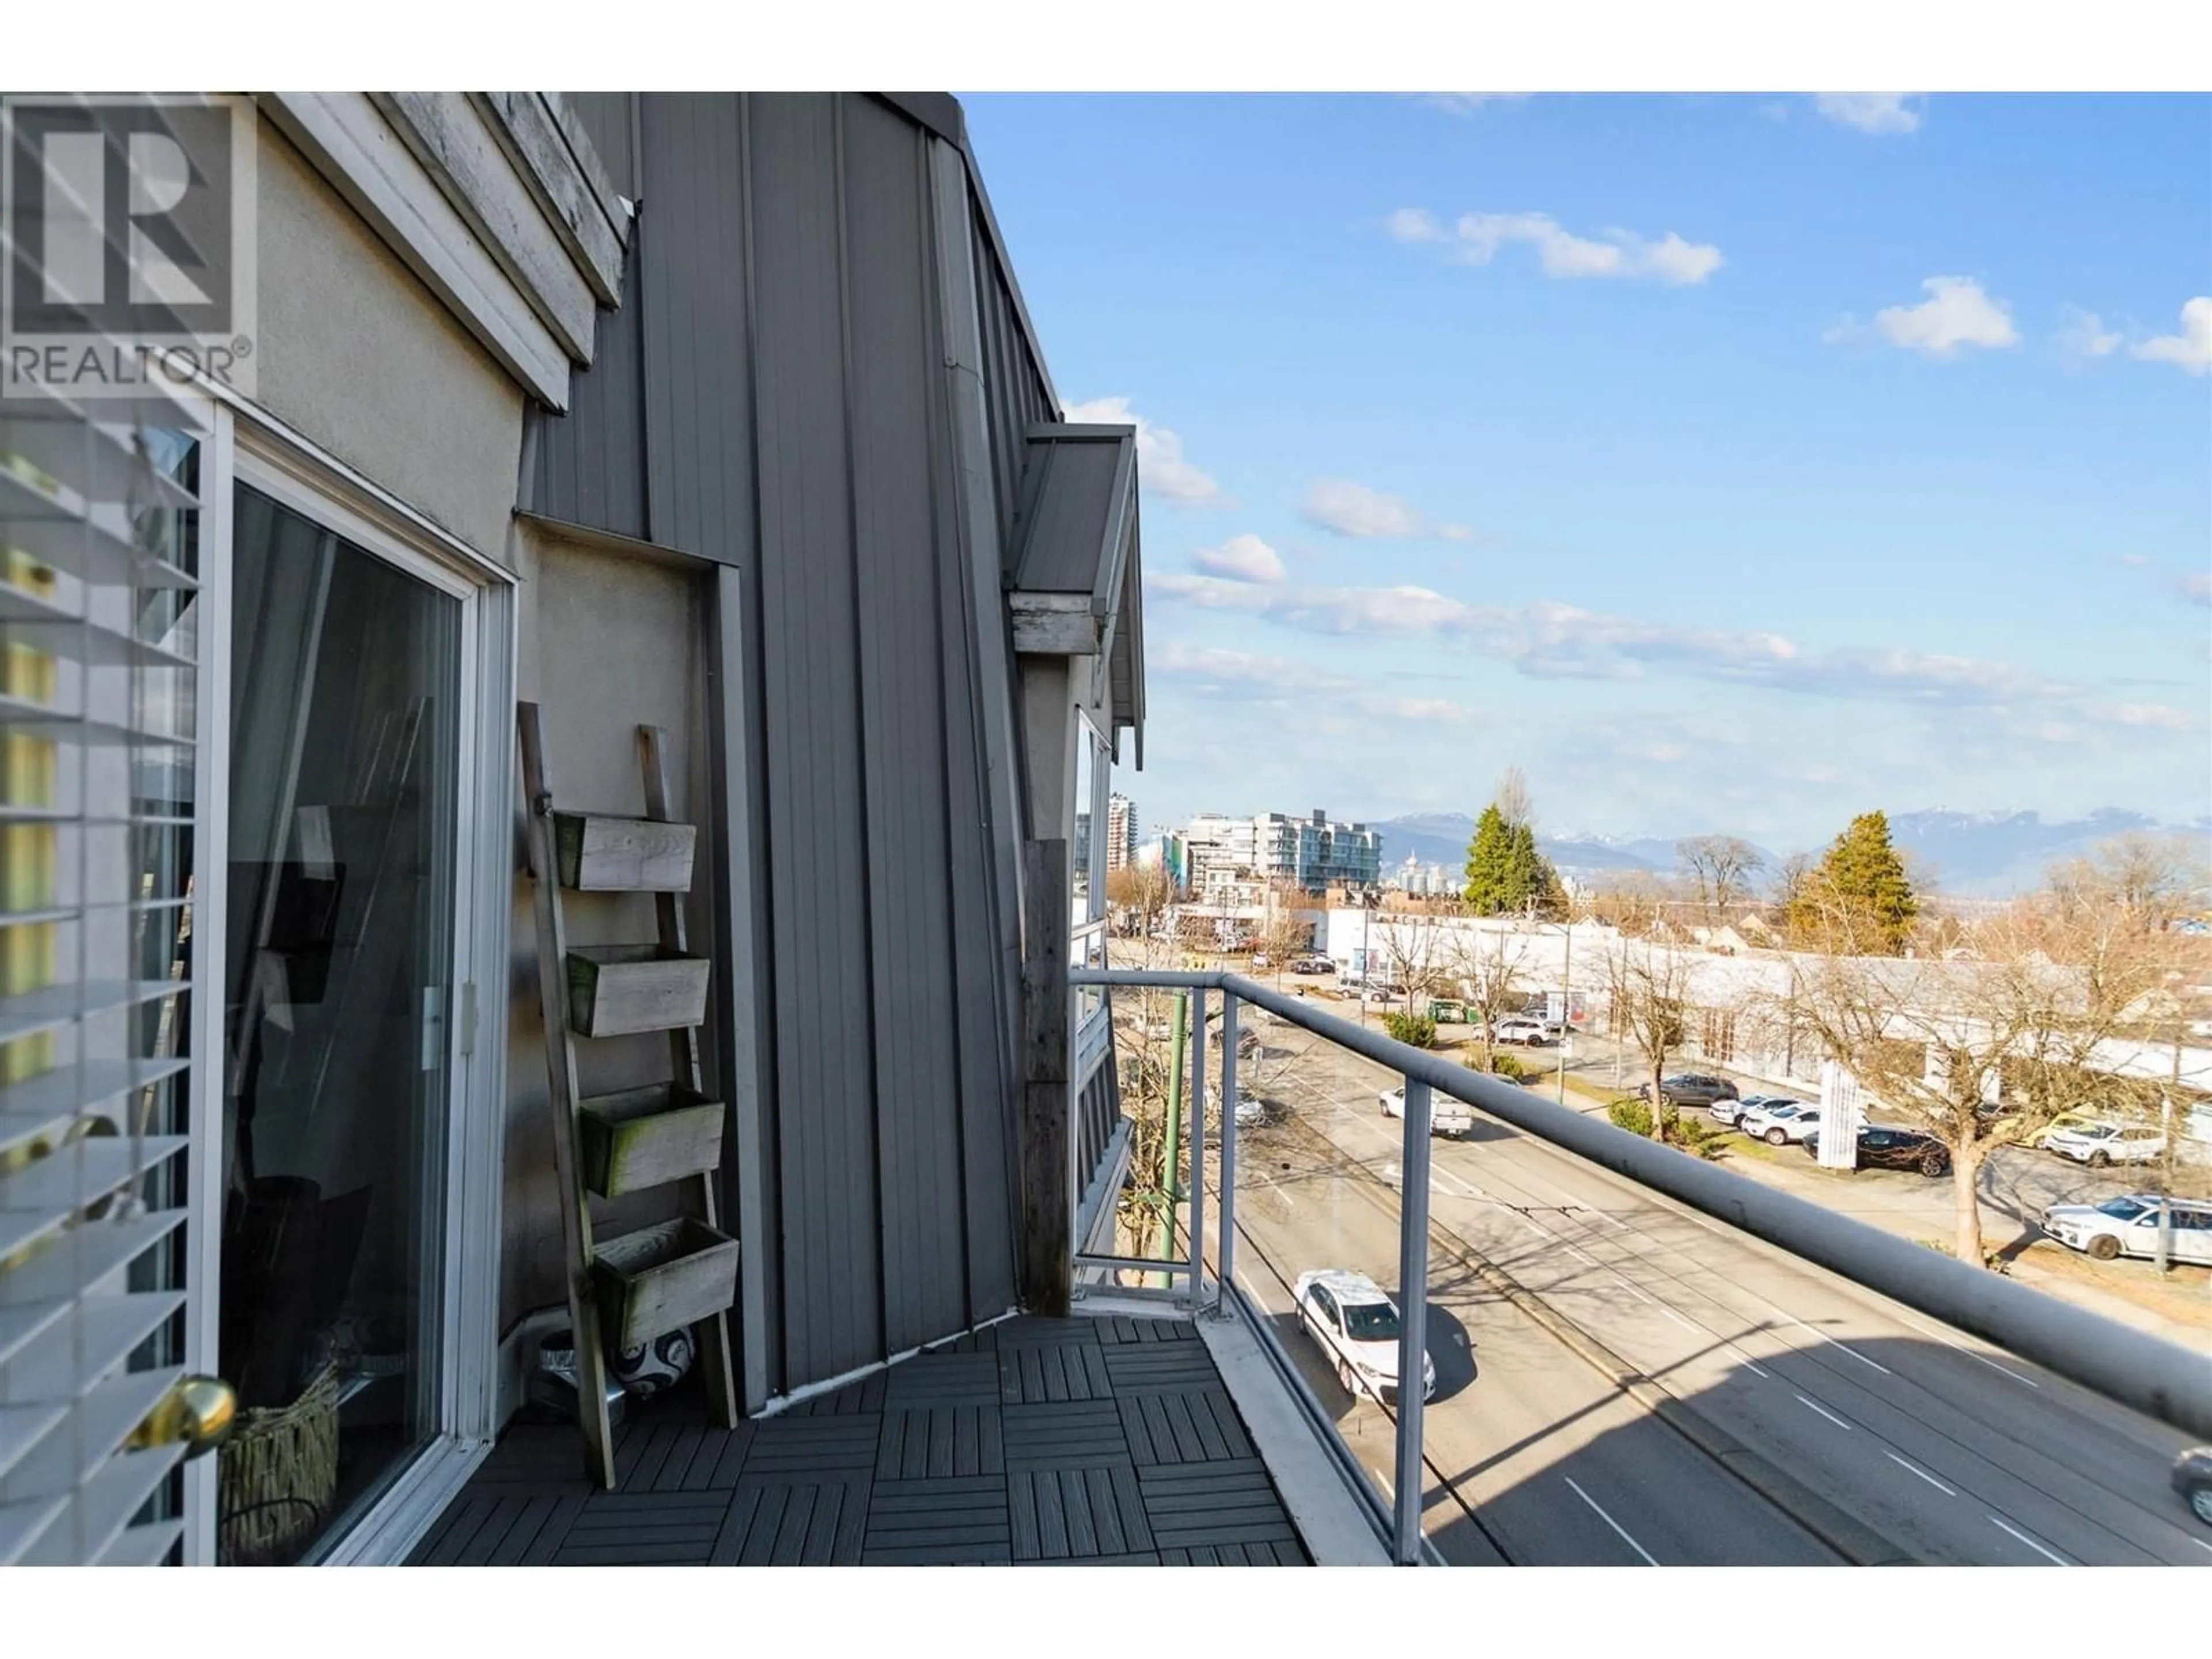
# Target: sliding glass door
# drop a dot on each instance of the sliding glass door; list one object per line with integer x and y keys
{"x": 348, "y": 708}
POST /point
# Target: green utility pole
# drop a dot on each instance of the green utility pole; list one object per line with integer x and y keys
{"x": 1171, "y": 1159}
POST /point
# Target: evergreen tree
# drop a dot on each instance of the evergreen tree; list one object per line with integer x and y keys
{"x": 1505, "y": 873}
{"x": 1859, "y": 898}
{"x": 1489, "y": 864}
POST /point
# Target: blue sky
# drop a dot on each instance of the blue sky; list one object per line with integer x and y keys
{"x": 1726, "y": 463}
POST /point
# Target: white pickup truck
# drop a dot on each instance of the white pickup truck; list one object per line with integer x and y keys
{"x": 1447, "y": 1116}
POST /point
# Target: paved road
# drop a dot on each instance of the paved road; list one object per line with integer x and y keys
{"x": 1955, "y": 1451}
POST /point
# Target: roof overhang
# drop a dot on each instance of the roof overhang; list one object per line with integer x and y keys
{"x": 1076, "y": 583}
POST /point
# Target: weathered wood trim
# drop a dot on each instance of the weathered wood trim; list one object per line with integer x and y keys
{"x": 1047, "y": 1221}
{"x": 352, "y": 145}
{"x": 565, "y": 173}
{"x": 1049, "y": 630}
{"x": 459, "y": 147}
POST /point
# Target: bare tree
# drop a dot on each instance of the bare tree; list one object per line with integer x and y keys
{"x": 1283, "y": 929}
{"x": 1485, "y": 963}
{"x": 1413, "y": 944}
{"x": 2152, "y": 879}
{"x": 1512, "y": 799}
{"x": 1142, "y": 893}
{"x": 1982, "y": 1052}
{"x": 1634, "y": 904}
{"x": 1649, "y": 986}
{"x": 1720, "y": 869}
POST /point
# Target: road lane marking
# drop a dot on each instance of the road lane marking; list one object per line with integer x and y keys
{"x": 1972, "y": 1354}
{"x": 1915, "y": 1469}
{"x": 1845, "y": 1346}
{"x": 1686, "y": 1324}
{"x": 2049, "y": 1555}
{"x": 1826, "y": 1412}
{"x": 2201, "y": 1544}
{"x": 1610, "y": 1521}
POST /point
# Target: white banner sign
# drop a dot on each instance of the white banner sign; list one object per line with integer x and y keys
{"x": 1843, "y": 1114}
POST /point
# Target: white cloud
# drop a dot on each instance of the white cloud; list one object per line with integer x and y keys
{"x": 1241, "y": 558}
{"x": 2086, "y": 336}
{"x": 1161, "y": 468}
{"x": 1345, "y": 508}
{"x": 2191, "y": 348}
{"x": 1466, "y": 103}
{"x": 1881, "y": 113}
{"x": 1477, "y": 237}
{"x": 1414, "y": 225}
{"x": 1956, "y": 312}
{"x": 2196, "y": 587}
{"x": 1249, "y": 676}
{"x": 2134, "y": 561}
{"x": 1553, "y": 640}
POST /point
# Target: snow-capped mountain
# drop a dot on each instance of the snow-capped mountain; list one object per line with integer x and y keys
{"x": 1971, "y": 854}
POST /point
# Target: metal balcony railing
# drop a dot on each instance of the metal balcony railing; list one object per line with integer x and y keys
{"x": 2127, "y": 1366}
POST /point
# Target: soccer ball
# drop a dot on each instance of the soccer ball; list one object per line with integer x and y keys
{"x": 657, "y": 1367}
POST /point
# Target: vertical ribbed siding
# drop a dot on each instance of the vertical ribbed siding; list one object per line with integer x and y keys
{"x": 589, "y": 466}
{"x": 792, "y": 413}
{"x": 889, "y": 263}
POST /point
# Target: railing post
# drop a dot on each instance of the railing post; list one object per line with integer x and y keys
{"x": 1197, "y": 1149}
{"x": 1413, "y": 1308}
{"x": 1227, "y": 1211}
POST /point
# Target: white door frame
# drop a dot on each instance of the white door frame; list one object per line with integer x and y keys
{"x": 251, "y": 447}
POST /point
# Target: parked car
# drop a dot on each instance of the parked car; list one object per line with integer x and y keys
{"x": 1358, "y": 1327}
{"x": 1729, "y": 1110}
{"x": 2128, "y": 1226}
{"x": 1691, "y": 1088}
{"x": 2193, "y": 1479}
{"x": 1447, "y": 1116}
{"x": 1779, "y": 1122}
{"x": 1313, "y": 965}
{"x": 1895, "y": 1149}
{"x": 2101, "y": 1145}
{"x": 2062, "y": 1124}
{"x": 1521, "y": 1029}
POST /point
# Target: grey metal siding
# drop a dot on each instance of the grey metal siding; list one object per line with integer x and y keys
{"x": 607, "y": 117}
{"x": 1068, "y": 495}
{"x": 889, "y": 264}
{"x": 789, "y": 416}
{"x": 589, "y": 465}
{"x": 1015, "y": 390}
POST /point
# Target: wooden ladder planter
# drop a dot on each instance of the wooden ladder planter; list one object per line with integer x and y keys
{"x": 635, "y": 1287}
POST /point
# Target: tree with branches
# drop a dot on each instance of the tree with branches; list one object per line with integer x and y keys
{"x": 1720, "y": 870}
{"x": 1982, "y": 1052}
{"x": 1485, "y": 963}
{"x": 1648, "y": 987}
{"x": 1142, "y": 893}
{"x": 1859, "y": 899}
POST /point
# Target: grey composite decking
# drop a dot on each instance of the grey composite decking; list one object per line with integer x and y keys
{"x": 1035, "y": 1442}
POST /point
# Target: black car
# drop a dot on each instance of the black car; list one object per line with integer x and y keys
{"x": 2193, "y": 1479}
{"x": 1897, "y": 1148}
{"x": 1690, "y": 1090}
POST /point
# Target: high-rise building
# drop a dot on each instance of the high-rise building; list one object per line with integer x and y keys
{"x": 1313, "y": 852}
{"x": 1120, "y": 832}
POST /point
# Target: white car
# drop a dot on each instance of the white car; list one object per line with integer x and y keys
{"x": 1534, "y": 1032}
{"x": 1779, "y": 1122}
{"x": 1358, "y": 1327}
{"x": 1447, "y": 1116}
{"x": 1732, "y": 1111}
{"x": 2098, "y": 1144}
{"x": 2128, "y": 1226}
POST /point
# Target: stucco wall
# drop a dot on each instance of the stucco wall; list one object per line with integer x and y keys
{"x": 362, "y": 359}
